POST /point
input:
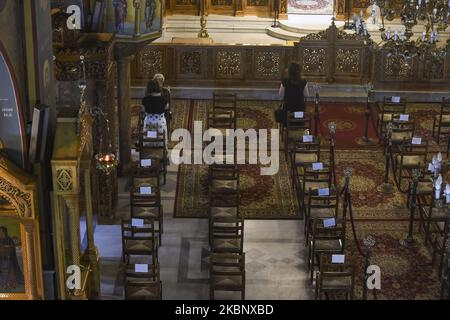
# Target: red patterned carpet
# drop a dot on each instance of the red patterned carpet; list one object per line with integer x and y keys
{"x": 406, "y": 274}
{"x": 350, "y": 122}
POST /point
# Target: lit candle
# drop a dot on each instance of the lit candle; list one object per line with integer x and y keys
{"x": 447, "y": 193}
{"x": 437, "y": 186}
{"x": 396, "y": 35}
{"x": 424, "y": 34}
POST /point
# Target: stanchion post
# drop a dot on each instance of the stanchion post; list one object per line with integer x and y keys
{"x": 386, "y": 187}
{"x": 369, "y": 243}
{"x": 365, "y": 140}
{"x": 409, "y": 241}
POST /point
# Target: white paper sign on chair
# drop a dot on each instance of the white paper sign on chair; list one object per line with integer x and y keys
{"x": 308, "y": 138}
{"x": 141, "y": 268}
{"x": 145, "y": 163}
{"x": 395, "y": 99}
{"x": 317, "y": 166}
{"x": 324, "y": 192}
{"x": 338, "y": 258}
{"x": 152, "y": 134}
{"x": 299, "y": 115}
{"x": 404, "y": 117}
{"x": 329, "y": 223}
{"x": 137, "y": 223}
{"x": 416, "y": 141}
{"x": 145, "y": 190}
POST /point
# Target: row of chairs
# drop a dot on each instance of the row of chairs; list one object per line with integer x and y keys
{"x": 142, "y": 232}
{"x": 312, "y": 174}
{"x": 226, "y": 224}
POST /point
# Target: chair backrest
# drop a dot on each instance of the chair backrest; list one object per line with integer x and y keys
{"x": 388, "y": 106}
{"x": 324, "y": 175}
{"x": 129, "y": 232}
{"x": 224, "y": 101}
{"x": 402, "y": 130}
{"x": 316, "y": 201}
{"x": 293, "y": 122}
{"x": 228, "y": 228}
{"x": 445, "y": 107}
{"x": 320, "y": 232}
{"x": 227, "y": 264}
{"x": 407, "y": 148}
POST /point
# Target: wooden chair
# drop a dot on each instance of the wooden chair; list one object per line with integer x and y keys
{"x": 303, "y": 154}
{"x": 438, "y": 243}
{"x": 155, "y": 149}
{"x": 320, "y": 208}
{"x": 139, "y": 241}
{"x": 294, "y": 130}
{"x": 225, "y": 103}
{"x": 411, "y": 156}
{"x": 310, "y": 179}
{"x": 325, "y": 241}
{"x": 442, "y": 120}
{"x": 401, "y": 131}
{"x": 431, "y": 215}
{"x": 223, "y": 179}
{"x": 335, "y": 279}
{"x": 147, "y": 206}
{"x": 227, "y": 235}
{"x": 227, "y": 273}
{"x": 389, "y": 110}
{"x": 142, "y": 285}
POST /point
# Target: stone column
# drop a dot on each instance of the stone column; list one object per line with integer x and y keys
{"x": 123, "y": 99}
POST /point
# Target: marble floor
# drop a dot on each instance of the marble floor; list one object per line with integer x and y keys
{"x": 275, "y": 256}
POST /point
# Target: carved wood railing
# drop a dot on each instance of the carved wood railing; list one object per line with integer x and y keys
{"x": 428, "y": 70}
{"x": 212, "y": 65}
{"x": 333, "y": 56}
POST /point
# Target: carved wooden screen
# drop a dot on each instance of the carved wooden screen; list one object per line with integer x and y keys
{"x": 212, "y": 65}
{"x": 431, "y": 69}
{"x": 333, "y": 56}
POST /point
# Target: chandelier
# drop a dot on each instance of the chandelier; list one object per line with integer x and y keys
{"x": 433, "y": 14}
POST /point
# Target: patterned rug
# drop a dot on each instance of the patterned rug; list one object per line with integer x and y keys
{"x": 262, "y": 197}
{"x": 406, "y": 274}
{"x": 350, "y": 122}
{"x": 368, "y": 174}
{"x": 310, "y": 6}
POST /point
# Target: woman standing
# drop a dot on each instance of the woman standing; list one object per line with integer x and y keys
{"x": 294, "y": 90}
{"x": 155, "y": 107}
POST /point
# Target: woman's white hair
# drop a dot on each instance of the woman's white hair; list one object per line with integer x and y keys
{"x": 159, "y": 77}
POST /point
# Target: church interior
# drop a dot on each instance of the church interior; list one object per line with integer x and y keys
{"x": 224, "y": 150}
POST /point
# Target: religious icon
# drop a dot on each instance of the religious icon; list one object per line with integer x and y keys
{"x": 120, "y": 12}
{"x": 150, "y": 8}
{"x": 11, "y": 275}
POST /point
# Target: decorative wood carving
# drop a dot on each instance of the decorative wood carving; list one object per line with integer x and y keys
{"x": 228, "y": 63}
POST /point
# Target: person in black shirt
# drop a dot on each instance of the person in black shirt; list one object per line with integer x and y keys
{"x": 294, "y": 89}
{"x": 155, "y": 108}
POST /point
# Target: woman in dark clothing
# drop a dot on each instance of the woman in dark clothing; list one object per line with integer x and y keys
{"x": 155, "y": 107}
{"x": 294, "y": 89}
